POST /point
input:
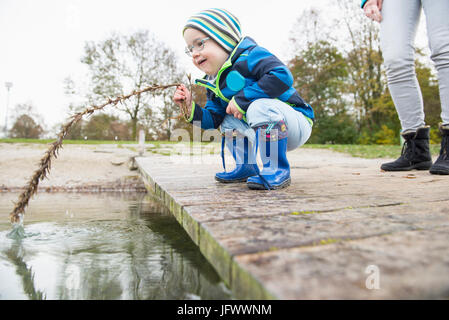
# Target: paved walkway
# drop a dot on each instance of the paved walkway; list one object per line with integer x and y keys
{"x": 342, "y": 230}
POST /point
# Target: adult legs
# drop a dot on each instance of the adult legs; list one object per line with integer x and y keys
{"x": 437, "y": 13}
{"x": 397, "y": 35}
{"x": 437, "y": 20}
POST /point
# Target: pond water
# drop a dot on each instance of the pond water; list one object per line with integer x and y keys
{"x": 84, "y": 246}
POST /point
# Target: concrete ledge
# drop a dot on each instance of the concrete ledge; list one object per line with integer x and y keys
{"x": 320, "y": 238}
{"x": 240, "y": 281}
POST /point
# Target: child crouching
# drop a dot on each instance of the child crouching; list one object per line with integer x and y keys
{"x": 249, "y": 96}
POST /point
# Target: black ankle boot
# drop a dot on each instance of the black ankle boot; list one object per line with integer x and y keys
{"x": 415, "y": 152}
{"x": 441, "y": 166}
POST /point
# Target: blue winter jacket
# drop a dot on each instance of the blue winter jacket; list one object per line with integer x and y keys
{"x": 363, "y": 3}
{"x": 259, "y": 75}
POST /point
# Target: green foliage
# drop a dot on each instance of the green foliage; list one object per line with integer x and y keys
{"x": 385, "y": 136}
{"x": 101, "y": 127}
{"x": 336, "y": 129}
{"x": 431, "y": 96}
{"x": 80, "y": 141}
{"x": 106, "y": 127}
{"x": 320, "y": 73}
{"x": 27, "y": 124}
{"x": 26, "y": 127}
{"x": 435, "y": 135}
{"x": 384, "y": 126}
{"x": 368, "y": 151}
{"x": 76, "y": 131}
{"x": 346, "y": 84}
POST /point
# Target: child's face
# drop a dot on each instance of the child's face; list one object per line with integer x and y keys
{"x": 211, "y": 57}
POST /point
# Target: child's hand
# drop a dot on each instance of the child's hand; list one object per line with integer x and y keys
{"x": 232, "y": 109}
{"x": 372, "y": 10}
{"x": 183, "y": 95}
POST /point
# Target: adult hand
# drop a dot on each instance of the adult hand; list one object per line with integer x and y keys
{"x": 372, "y": 10}
{"x": 232, "y": 109}
{"x": 183, "y": 95}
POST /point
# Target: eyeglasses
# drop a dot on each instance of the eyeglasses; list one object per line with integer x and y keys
{"x": 198, "y": 45}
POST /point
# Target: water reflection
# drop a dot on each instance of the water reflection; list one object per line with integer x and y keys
{"x": 132, "y": 251}
{"x": 26, "y": 274}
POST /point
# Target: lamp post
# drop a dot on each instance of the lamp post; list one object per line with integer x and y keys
{"x": 8, "y": 86}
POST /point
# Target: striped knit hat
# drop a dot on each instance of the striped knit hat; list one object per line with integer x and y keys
{"x": 219, "y": 24}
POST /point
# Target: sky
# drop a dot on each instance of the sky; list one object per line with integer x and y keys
{"x": 42, "y": 42}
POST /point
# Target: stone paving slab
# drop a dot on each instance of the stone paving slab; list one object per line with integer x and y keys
{"x": 286, "y": 231}
{"x": 314, "y": 239}
{"x": 410, "y": 266}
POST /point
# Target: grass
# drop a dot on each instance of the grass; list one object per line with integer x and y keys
{"x": 355, "y": 150}
{"x": 368, "y": 151}
{"x": 46, "y": 141}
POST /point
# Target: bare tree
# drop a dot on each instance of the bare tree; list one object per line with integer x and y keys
{"x": 345, "y": 27}
{"x": 364, "y": 56}
{"x": 124, "y": 63}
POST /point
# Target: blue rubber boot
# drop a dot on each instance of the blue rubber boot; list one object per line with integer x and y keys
{"x": 276, "y": 169}
{"x": 244, "y": 158}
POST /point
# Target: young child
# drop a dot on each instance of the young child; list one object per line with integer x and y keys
{"x": 249, "y": 96}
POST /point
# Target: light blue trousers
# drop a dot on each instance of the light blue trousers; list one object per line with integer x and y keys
{"x": 397, "y": 36}
{"x": 265, "y": 111}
